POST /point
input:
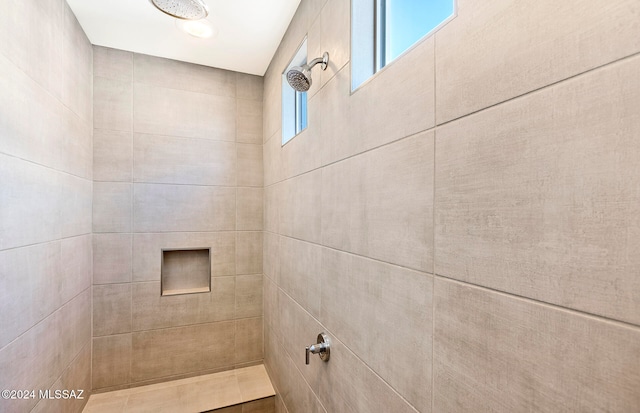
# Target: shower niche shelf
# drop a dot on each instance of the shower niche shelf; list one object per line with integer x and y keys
{"x": 185, "y": 271}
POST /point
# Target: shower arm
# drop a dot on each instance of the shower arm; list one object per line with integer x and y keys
{"x": 324, "y": 60}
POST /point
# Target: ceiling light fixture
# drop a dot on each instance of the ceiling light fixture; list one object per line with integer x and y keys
{"x": 182, "y": 9}
{"x": 197, "y": 28}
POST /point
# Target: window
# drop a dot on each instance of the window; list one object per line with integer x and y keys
{"x": 294, "y": 104}
{"x": 384, "y": 29}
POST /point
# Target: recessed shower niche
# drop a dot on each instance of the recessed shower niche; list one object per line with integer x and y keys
{"x": 185, "y": 271}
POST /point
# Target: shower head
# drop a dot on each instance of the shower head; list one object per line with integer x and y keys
{"x": 182, "y": 9}
{"x": 299, "y": 77}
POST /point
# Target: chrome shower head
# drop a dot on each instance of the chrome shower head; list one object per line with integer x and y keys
{"x": 182, "y": 9}
{"x": 299, "y": 77}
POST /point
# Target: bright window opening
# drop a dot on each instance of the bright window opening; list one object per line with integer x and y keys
{"x": 294, "y": 104}
{"x": 384, "y": 29}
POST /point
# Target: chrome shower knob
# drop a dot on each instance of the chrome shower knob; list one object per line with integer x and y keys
{"x": 322, "y": 348}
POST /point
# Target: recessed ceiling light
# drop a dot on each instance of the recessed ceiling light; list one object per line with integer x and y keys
{"x": 197, "y": 28}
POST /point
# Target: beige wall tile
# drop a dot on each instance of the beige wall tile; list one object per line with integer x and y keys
{"x": 249, "y": 336}
{"x": 40, "y": 26}
{"x": 249, "y": 209}
{"x": 248, "y": 296}
{"x": 270, "y": 305}
{"x": 480, "y": 64}
{"x": 158, "y": 353}
{"x": 165, "y": 159}
{"x": 300, "y": 207}
{"x": 76, "y": 147}
{"x": 272, "y": 208}
{"x": 111, "y": 362}
{"x": 249, "y": 120}
{"x": 183, "y": 208}
{"x": 29, "y": 275}
{"x": 151, "y": 70}
{"x": 271, "y": 256}
{"x": 76, "y": 377}
{"x": 335, "y": 21}
{"x": 272, "y": 154}
{"x": 162, "y": 111}
{"x": 303, "y": 153}
{"x": 111, "y": 309}
{"x": 272, "y": 109}
{"x": 112, "y": 104}
{"x": 30, "y": 200}
{"x": 112, "y": 258}
{"x": 77, "y": 67}
{"x": 250, "y": 166}
{"x": 45, "y": 351}
{"x": 248, "y": 253}
{"x": 249, "y": 86}
{"x": 538, "y": 197}
{"x": 385, "y": 200}
{"x": 112, "y": 63}
{"x": 111, "y": 207}
{"x": 503, "y": 353}
{"x": 377, "y": 112}
{"x": 361, "y": 296}
{"x": 147, "y": 251}
{"x": 300, "y": 269}
{"x": 75, "y": 203}
{"x": 112, "y": 155}
{"x": 150, "y": 310}
{"x": 31, "y": 120}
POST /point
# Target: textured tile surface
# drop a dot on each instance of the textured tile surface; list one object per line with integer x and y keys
{"x": 539, "y": 197}
{"x": 506, "y": 354}
{"x": 492, "y": 52}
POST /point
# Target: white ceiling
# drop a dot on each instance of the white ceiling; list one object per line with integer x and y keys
{"x": 249, "y": 31}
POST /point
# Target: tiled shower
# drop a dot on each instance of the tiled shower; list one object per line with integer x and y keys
{"x": 464, "y": 225}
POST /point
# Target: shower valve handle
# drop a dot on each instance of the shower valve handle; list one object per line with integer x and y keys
{"x": 322, "y": 347}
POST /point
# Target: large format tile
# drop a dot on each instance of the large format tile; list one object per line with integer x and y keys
{"x": 76, "y": 377}
{"x": 112, "y": 104}
{"x": 492, "y": 52}
{"x": 248, "y": 252}
{"x": 379, "y": 111}
{"x": 76, "y": 202}
{"x": 249, "y": 336}
{"x": 111, "y": 309}
{"x": 112, "y": 258}
{"x": 112, "y": 155}
{"x": 150, "y": 310}
{"x": 539, "y": 197}
{"x": 250, "y": 166}
{"x": 249, "y": 86}
{"x": 300, "y": 207}
{"x": 158, "y": 353}
{"x": 271, "y": 256}
{"x": 163, "y": 208}
{"x": 29, "y": 203}
{"x": 30, "y": 274}
{"x": 111, "y": 207}
{"x": 147, "y": 251}
{"x": 76, "y": 147}
{"x": 165, "y": 159}
{"x": 363, "y": 299}
{"x": 112, "y": 63}
{"x": 162, "y": 111}
{"x": 77, "y": 65}
{"x": 335, "y": 20}
{"x": 380, "y": 204}
{"x": 151, "y": 70}
{"x": 504, "y": 354}
{"x": 249, "y": 119}
{"x": 300, "y": 272}
{"x": 31, "y": 36}
{"x": 249, "y": 216}
{"x": 38, "y": 358}
{"x": 248, "y": 296}
{"x": 111, "y": 363}
{"x": 31, "y": 120}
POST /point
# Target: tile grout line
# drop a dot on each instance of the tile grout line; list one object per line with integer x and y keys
{"x": 132, "y": 217}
